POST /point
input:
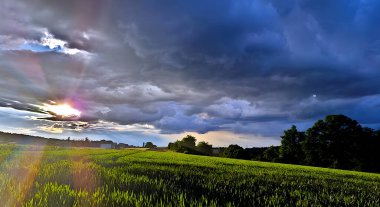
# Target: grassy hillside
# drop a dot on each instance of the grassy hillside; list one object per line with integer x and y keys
{"x": 48, "y": 176}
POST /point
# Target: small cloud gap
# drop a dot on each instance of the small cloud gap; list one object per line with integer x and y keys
{"x": 48, "y": 43}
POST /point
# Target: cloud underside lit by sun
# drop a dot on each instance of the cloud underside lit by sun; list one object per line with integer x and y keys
{"x": 62, "y": 110}
{"x": 161, "y": 69}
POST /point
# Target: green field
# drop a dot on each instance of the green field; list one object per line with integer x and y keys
{"x": 50, "y": 176}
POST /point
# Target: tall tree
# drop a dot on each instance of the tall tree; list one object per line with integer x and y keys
{"x": 150, "y": 145}
{"x": 189, "y": 141}
{"x": 291, "y": 149}
{"x": 235, "y": 151}
{"x": 186, "y": 145}
{"x": 271, "y": 154}
{"x": 334, "y": 142}
{"x": 204, "y": 148}
{"x": 371, "y": 150}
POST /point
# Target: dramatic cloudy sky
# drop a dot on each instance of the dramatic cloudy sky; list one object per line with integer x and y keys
{"x": 226, "y": 71}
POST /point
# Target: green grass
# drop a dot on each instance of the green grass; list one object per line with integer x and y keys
{"x": 50, "y": 176}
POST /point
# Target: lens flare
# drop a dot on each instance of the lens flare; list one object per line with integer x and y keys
{"x": 63, "y": 110}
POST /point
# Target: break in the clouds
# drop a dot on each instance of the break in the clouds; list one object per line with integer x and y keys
{"x": 246, "y": 69}
{"x": 48, "y": 43}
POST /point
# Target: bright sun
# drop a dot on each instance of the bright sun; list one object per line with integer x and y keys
{"x": 64, "y": 110}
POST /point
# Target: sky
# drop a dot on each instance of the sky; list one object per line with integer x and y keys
{"x": 228, "y": 72}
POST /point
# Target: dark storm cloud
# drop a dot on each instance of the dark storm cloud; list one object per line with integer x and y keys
{"x": 20, "y": 106}
{"x": 250, "y": 66}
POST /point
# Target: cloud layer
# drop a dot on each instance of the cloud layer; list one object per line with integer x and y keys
{"x": 249, "y": 67}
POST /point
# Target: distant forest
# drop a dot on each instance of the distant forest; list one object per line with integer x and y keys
{"x": 337, "y": 141}
{"x": 36, "y": 140}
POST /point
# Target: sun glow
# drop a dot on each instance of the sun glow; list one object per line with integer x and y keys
{"x": 63, "y": 110}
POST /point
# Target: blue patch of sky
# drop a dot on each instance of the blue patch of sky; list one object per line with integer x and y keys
{"x": 34, "y": 47}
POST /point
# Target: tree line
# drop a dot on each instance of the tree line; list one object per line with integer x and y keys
{"x": 337, "y": 141}
{"x": 188, "y": 145}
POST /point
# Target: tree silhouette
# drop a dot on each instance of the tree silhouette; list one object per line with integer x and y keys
{"x": 335, "y": 142}
{"x": 291, "y": 149}
{"x": 204, "y": 148}
{"x": 186, "y": 145}
{"x": 150, "y": 145}
{"x": 271, "y": 154}
{"x": 235, "y": 151}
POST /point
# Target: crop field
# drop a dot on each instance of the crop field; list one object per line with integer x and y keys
{"x": 51, "y": 176}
